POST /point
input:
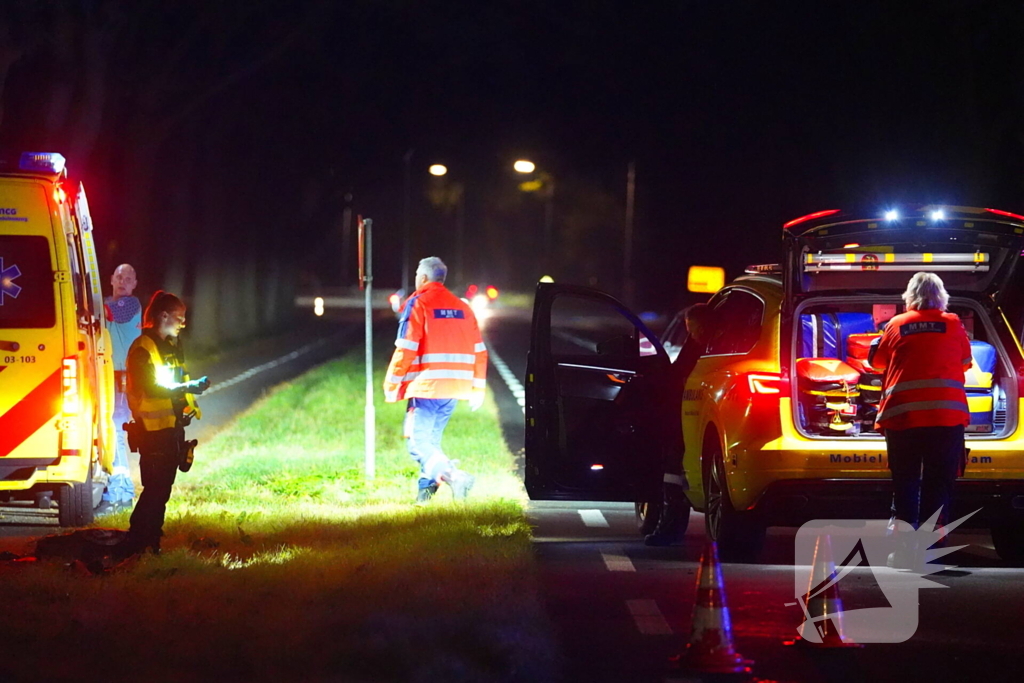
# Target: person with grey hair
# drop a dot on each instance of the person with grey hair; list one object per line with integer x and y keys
{"x": 439, "y": 359}
{"x": 124, "y": 321}
{"x": 924, "y": 353}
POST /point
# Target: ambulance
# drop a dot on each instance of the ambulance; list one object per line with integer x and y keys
{"x": 57, "y": 436}
{"x": 778, "y": 415}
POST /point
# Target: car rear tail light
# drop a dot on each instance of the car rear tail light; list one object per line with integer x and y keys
{"x": 72, "y": 403}
{"x": 810, "y": 217}
{"x": 1006, "y": 213}
{"x": 765, "y": 383}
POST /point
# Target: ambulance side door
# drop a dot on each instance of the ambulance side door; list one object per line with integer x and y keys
{"x": 595, "y": 374}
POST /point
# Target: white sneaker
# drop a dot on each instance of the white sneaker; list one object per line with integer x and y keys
{"x": 461, "y": 482}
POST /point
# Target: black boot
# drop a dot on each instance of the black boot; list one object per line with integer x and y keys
{"x": 666, "y": 532}
{"x": 425, "y": 494}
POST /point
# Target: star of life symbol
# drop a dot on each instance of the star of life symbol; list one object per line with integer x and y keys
{"x": 7, "y": 278}
{"x": 882, "y": 564}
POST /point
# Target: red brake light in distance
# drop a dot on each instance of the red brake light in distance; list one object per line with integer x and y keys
{"x": 1006, "y": 213}
{"x": 810, "y": 216}
{"x": 764, "y": 383}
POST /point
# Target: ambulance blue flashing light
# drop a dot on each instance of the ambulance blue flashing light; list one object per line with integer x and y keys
{"x": 42, "y": 162}
{"x": 892, "y": 215}
{"x": 938, "y": 215}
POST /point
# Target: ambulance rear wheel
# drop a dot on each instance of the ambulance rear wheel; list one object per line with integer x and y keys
{"x": 74, "y": 503}
{"x": 1008, "y": 540}
{"x": 739, "y": 535}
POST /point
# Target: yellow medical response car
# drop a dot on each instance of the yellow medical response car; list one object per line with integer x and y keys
{"x": 56, "y": 376}
{"x": 778, "y": 414}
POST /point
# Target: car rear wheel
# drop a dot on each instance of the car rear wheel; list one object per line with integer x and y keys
{"x": 647, "y": 514}
{"x": 1008, "y": 540}
{"x": 739, "y": 535}
{"x": 74, "y": 503}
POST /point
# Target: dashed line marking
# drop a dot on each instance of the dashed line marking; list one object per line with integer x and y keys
{"x": 593, "y": 518}
{"x": 648, "y": 618}
{"x": 270, "y": 365}
{"x": 617, "y": 562}
{"x": 509, "y": 377}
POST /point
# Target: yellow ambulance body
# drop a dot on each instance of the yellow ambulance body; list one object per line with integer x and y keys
{"x": 57, "y": 437}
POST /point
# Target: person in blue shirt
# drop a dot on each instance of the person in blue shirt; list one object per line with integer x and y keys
{"x": 124, "y": 320}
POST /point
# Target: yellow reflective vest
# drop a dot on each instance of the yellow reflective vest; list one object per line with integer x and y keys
{"x": 156, "y": 413}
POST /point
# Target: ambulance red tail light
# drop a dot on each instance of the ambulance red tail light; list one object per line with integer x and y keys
{"x": 765, "y": 383}
{"x": 72, "y": 403}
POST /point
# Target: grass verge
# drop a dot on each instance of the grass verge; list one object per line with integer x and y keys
{"x": 283, "y": 563}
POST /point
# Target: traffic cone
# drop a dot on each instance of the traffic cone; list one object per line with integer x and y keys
{"x": 823, "y": 608}
{"x": 710, "y": 649}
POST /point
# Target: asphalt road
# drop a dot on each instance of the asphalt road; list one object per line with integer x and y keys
{"x": 622, "y": 609}
{"x": 238, "y": 379}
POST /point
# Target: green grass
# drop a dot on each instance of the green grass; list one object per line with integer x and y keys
{"x": 283, "y": 563}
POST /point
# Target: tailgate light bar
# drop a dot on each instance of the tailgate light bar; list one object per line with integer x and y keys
{"x": 963, "y": 262}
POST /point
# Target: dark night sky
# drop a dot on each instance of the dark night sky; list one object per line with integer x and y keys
{"x": 739, "y": 115}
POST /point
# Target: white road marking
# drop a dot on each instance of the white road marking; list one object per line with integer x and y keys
{"x": 648, "y": 618}
{"x": 593, "y": 518}
{"x": 617, "y": 562}
{"x": 509, "y": 377}
{"x": 270, "y": 365}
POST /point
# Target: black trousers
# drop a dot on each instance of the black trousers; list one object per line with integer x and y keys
{"x": 923, "y": 461}
{"x": 158, "y": 460}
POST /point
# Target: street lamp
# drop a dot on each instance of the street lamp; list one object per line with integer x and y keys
{"x": 546, "y": 185}
{"x": 524, "y": 166}
{"x": 438, "y": 169}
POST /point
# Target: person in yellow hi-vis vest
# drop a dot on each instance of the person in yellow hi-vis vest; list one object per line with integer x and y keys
{"x": 160, "y": 396}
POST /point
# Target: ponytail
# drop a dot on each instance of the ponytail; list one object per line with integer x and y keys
{"x": 161, "y": 302}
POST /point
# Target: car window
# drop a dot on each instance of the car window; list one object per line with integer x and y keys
{"x": 582, "y": 327}
{"x": 674, "y": 336}
{"x": 735, "y": 323}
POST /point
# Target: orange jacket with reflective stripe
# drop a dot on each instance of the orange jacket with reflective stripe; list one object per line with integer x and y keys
{"x": 925, "y": 355}
{"x": 439, "y": 352}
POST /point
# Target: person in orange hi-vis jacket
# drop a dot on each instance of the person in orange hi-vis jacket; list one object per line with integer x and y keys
{"x": 924, "y": 353}
{"x": 439, "y": 358}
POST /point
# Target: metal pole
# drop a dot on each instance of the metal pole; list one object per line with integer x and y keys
{"x": 460, "y": 232}
{"x": 549, "y": 221}
{"x": 406, "y": 226}
{"x": 346, "y": 239}
{"x": 370, "y": 417}
{"x": 627, "y": 252}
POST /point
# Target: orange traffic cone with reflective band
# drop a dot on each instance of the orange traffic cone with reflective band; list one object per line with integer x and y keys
{"x": 823, "y": 608}
{"x": 710, "y": 649}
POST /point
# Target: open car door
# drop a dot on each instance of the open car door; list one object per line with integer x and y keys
{"x": 594, "y": 408}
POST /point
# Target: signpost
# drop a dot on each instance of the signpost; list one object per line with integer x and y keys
{"x": 366, "y": 284}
